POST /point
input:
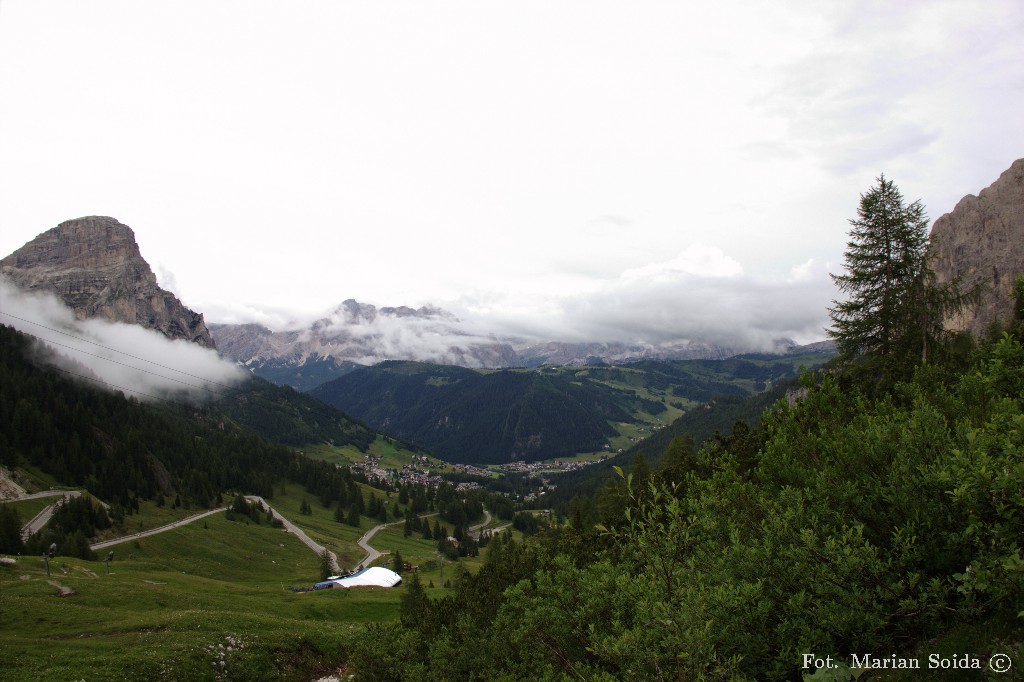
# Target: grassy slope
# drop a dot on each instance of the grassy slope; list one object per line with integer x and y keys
{"x": 156, "y": 616}
{"x": 393, "y": 455}
{"x": 173, "y": 598}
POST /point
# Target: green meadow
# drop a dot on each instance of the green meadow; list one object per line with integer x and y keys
{"x": 176, "y": 604}
{"x": 166, "y": 612}
{"x": 392, "y": 454}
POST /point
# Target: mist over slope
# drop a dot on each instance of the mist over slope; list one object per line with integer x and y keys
{"x": 142, "y": 362}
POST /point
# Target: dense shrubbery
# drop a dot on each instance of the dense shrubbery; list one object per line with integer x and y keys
{"x": 854, "y": 520}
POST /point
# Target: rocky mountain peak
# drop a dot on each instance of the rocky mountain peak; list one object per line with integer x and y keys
{"x": 94, "y": 265}
{"x": 982, "y": 241}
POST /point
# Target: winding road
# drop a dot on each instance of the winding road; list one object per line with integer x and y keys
{"x": 372, "y": 554}
{"x": 474, "y": 531}
{"x": 154, "y": 531}
{"x": 43, "y": 517}
{"x": 364, "y": 542}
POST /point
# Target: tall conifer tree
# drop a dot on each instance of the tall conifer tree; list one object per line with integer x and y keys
{"x": 885, "y": 264}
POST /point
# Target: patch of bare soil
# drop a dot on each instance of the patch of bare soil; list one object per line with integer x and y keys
{"x": 9, "y": 490}
{"x": 63, "y": 590}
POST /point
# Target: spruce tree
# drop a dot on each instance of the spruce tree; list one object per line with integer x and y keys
{"x": 895, "y": 311}
{"x": 414, "y": 604}
{"x": 326, "y": 565}
{"x": 353, "y": 516}
{"x": 885, "y": 264}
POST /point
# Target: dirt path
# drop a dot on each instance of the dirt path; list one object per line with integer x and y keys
{"x": 63, "y": 590}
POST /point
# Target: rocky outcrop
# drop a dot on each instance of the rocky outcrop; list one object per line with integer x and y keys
{"x": 94, "y": 265}
{"x": 982, "y": 241}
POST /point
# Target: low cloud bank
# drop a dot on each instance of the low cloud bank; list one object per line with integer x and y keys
{"x": 138, "y": 361}
{"x": 369, "y": 335}
{"x": 698, "y": 297}
{"x": 708, "y": 300}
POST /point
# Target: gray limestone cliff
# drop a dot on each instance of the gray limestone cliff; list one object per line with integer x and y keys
{"x": 94, "y": 265}
{"x": 982, "y": 241}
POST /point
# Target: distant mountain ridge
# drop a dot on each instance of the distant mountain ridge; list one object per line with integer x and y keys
{"x": 94, "y": 265}
{"x": 359, "y": 334}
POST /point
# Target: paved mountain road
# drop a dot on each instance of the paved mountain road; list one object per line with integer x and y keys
{"x": 161, "y": 529}
{"x": 474, "y": 531}
{"x": 372, "y": 554}
{"x": 44, "y": 516}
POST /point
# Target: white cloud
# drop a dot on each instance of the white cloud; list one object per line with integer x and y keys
{"x": 697, "y": 259}
{"x": 138, "y": 361}
{"x": 702, "y": 295}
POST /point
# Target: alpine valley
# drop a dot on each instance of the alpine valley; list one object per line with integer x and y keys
{"x": 716, "y": 513}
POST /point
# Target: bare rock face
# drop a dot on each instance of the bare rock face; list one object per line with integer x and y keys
{"x": 94, "y": 265}
{"x": 982, "y": 240}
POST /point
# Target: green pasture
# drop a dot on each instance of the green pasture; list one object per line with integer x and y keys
{"x": 393, "y": 455}
{"x": 165, "y": 613}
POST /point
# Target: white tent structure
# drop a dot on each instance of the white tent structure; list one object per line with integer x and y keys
{"x": 375, "y": 576}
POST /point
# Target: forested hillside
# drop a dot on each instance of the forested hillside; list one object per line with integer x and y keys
{"x": 719, "y": 417}
{"x": 283, "y": 415}
{"x": 55, "y": 420}
{"x": 465, "y": 415}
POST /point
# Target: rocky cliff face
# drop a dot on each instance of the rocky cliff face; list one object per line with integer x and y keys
{"x": 94, "y": 265}
{"x": 982, "y": 240}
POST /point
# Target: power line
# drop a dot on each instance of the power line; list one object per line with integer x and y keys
{"x": 137, "y": 369}
{"x": 115, "y": 350}
{"x": 107, "y": 383}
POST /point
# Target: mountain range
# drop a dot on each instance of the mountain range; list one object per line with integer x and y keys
{"x": 358, "y": 334}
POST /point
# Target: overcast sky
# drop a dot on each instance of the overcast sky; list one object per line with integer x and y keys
{"x": 612, "y": 171}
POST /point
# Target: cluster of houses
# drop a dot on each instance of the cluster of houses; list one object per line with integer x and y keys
{"x": 415, "y": 473}
{"x": 549, "y": 467}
